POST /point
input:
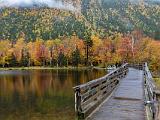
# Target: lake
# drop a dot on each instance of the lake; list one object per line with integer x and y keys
{"x": 41, "y": 94}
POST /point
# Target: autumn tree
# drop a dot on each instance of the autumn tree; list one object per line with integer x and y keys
{"x": 57, "y": 49}
{"x": 96, "y": 49}
{"x": 19, "y": 47}
{"x": 4, "y": 52}
{"x": 50, "y": 46}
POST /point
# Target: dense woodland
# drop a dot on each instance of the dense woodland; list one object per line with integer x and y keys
{"x": 103, "y": 33}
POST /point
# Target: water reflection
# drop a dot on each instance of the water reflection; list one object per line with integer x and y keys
{"x": 41, "y": 94}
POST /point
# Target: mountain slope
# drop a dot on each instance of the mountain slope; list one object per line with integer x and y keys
{"x": 124, "y": 16}
{"x": 103, "y": 17}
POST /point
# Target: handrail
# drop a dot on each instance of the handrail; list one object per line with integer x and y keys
{"x": 151, "y": 95}
{"x": 88, "y": 96}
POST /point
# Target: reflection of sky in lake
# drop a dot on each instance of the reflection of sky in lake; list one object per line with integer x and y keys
{"x": 13, "y": 72}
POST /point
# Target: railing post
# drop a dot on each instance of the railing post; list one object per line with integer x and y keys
{"x": 78, "y": 108}
{"x": 157, "y": 108}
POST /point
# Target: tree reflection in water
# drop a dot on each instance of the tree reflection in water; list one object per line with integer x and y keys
{"x": 41, "y": 94}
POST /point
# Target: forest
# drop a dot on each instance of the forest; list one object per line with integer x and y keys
{"x": 102, "y": 33}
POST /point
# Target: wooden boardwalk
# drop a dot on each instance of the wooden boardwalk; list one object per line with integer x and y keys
{"x": 127, "y": 101}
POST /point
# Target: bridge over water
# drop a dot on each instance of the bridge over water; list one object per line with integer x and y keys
{"x": 127, "y": 93}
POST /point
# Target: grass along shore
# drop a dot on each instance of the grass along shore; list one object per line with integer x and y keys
{"x": 44, "y": 68}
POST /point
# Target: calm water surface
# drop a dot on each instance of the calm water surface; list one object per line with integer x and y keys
{"x": 41, "y": 94}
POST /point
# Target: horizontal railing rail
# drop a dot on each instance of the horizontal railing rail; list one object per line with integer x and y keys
{"x": 88, "y": 96}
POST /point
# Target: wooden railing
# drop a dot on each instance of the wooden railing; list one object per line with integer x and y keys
{"x": 151, "y": 92}
{"x": 88, "y": 96}
{"x": 139, "y": 66}
{"x": 151, "y": 95}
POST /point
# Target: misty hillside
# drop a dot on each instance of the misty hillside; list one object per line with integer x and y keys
{"x": 84, "y": 18}
{"x": 123, "y": 16}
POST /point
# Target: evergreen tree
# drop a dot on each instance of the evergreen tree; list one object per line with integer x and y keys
{"x": 12, "y": 61}
{"x": 76, "y": 57}
{"x": 25, "y": 59}
{"x": 62, "y": 60}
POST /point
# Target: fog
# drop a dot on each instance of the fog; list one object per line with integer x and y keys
{"x": 30, "y": 3}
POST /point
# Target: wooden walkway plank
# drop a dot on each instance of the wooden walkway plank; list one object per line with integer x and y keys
{"x": 127, "y": 102}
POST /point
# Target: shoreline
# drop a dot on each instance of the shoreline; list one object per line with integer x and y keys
{"x": 44, "y": 68}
